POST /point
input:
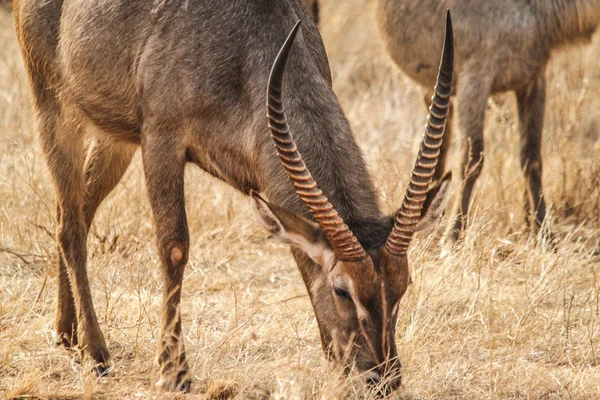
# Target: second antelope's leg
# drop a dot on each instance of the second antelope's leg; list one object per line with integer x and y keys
{"x": 531, "y": 102}
{"x": 471, "y": 100}
{"x": 164, "y": 161}
{"x": 442, "y": 166}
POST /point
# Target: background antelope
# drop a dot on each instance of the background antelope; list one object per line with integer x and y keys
{"x": 502, "y": 46}
{"x": 122, "y": 69}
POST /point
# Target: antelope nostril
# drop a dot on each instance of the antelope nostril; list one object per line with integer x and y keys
{"x": 383, "y": 386}
{"x": 395, "y": 384}
{"x": 373, "y": 377}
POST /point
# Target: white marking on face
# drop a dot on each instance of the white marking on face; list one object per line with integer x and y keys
{"x": 395, "y": 309}
{"x": 315, "y": 286}
{"x": 329, "y": 260}
{"x": 384, "y": 334}
{"x": 373, "y": 375}
{"x": 361, "y": 312}
{"x": 335, "y": 344}
{"x": 348, "y": 348}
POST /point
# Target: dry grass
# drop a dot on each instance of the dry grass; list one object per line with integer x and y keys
{"x": 503, "y": 318}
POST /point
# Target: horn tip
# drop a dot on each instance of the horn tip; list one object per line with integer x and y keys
{"x": 278, "y": 68}
{"x": 294, "y": 30}
{"x": 448, "y": 23}
{"x": 448, "y": 51}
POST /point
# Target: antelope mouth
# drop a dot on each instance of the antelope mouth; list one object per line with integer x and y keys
{"x": 383, "y": 387}
{"x": 373, "y": 377}
{"x": 383, "y": 384}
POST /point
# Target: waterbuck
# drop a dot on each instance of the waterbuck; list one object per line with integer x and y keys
{"x": 502, "y": 46}
{"x": 186, "y": 82}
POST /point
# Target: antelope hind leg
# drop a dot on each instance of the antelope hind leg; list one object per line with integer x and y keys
{"x": 62, "y": 142}
{"x": 105, "y": 165}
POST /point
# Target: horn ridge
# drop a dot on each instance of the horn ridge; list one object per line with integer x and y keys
{"x": 343, "y": 242}
{"x": 407, "y": 218}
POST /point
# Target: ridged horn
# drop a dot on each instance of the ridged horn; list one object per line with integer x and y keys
{"x": 343, "y": 242}
{"x": 410, "y": 212}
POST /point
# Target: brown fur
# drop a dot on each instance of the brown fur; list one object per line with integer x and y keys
{"x": 313, "y": 9}
{"x": 185, "y": 81}
{"x": 501, "y": 46}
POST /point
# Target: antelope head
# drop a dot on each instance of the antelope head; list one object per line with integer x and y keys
{"x": 355, "y": 291}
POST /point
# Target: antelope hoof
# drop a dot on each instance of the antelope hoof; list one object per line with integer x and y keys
{"x": 181, "y": 382}
{"x": 102, "y": 369}
{"x": 101, "y": 359}
{"x": 65, "y": 340}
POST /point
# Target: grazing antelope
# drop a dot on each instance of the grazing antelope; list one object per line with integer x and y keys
{"x": 186, "y": 83}
{"x": 502, "y": 46}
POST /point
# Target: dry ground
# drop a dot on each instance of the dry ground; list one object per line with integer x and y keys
{"x": 502, "y": 318}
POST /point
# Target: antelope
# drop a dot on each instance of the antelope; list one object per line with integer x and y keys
{"x": 503, "y": 46}
{"x": 123, "y": 69}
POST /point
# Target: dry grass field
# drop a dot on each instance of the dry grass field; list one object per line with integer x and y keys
{"x": 505, "y": 317}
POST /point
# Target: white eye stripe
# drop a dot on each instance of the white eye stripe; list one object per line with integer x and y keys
{"x": 395, "y": 308}
{"x": 316, "y": 285}
{"x": 361, "y": 312}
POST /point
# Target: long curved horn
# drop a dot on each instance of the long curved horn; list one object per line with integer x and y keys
{"x": 410, "y": 212}
{"x": 345, "y": 245}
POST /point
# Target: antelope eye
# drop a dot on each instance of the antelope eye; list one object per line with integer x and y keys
{"x": 341, "y": 293}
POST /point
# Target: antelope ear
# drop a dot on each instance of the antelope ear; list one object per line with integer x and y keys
{"x": 293, "y": 229}
{"x": 436, "y": 200}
